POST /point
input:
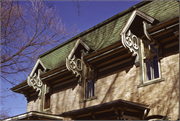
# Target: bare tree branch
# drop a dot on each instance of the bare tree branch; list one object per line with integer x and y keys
{"x": 78, "y": 7}
{"x": 26, "y": 28}
{"x": 4, "y": 113}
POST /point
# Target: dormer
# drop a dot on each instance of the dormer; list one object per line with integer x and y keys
{"x": 85, "y": 73}
{"x": 34, "y": 79}
{"x": 78, "y": 47}
{"x": 136, "y": 29}
{"x": 75, "y": 61}
{"x": 137, "y": 40}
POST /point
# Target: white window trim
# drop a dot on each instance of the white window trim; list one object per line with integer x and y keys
{"x": 43, "y": 99}
{"x": 143, "y": 81}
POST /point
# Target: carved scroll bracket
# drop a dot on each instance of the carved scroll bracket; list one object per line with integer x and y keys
{"x": 131, "y": 42}
{"x": 35, "y": 82}
{"x": 76, "y": 64}
{"x": 81, "y": 69}
{"x": 147, "y": 35}
{"x": 135, "y": 30}
{"x": 148, "y": 41}
{"x": 119, "y": 113}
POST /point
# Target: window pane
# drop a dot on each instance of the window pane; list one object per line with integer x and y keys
{"x": 89, "y": 89}
{"x": 154, "y": 49}
{"x": 47, "y": 89}
{"x": 148, "y": 70}
{"x": 86, "y": 90}
{"x": 152, "y": 68}
{"x": 156, "y": 68}
{"x": 47, "y": 101}
{"x": 92, "y": 86}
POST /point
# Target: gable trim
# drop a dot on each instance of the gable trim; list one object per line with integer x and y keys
{"x": 132, "y": 17}
{"x": 35, "y": 67}
{"x": 79, "y": 41}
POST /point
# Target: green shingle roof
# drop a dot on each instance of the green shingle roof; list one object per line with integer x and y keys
{"x": 108, "y": 32}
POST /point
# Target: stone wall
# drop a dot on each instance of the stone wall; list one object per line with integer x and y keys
{"x": 162, "y": 97}
{"x": 34, "y": 105}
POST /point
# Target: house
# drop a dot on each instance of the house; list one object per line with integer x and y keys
{"x": 125, "y": 68}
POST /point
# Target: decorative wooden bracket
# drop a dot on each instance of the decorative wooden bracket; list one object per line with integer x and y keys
{"x": 119, "y": 113}
{"x": 131, "y": 42}
{"x": 76, "y": 66}
{"x": 34, "y": 79}
{"x": 134, "y": 30}
{"x": 35, "y": 82}
{"x": 75, "y": 61}
{"x": 148, "y": 50}
{"x": 147, "y": 35}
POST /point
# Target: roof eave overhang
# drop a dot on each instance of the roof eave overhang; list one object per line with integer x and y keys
{"x": 110, "y": 105}
{"x": 36, "y": 114}
{"x": 24, "y": 84}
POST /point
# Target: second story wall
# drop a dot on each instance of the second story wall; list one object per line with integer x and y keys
{"x": 162, "y": 97}
{"x": 34, "y": 104}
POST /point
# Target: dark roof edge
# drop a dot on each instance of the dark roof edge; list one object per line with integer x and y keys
{"x": 97, "y": 26}
{"x": 115, "y": 102}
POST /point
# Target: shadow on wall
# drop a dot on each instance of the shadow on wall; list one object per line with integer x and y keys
{"x": 122, "y": 84}
{"x": 167, "y": 101}
{"x": 115, "y": 82}
{"x": 162, "y": 97}
{"x": 64, "y": 97}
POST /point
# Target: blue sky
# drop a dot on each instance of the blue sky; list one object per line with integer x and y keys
{"x": 91, "y": 14}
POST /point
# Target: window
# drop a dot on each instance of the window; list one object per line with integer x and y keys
{"x": 89, "y": 84}
{"x": 149, "y": 64}
{"x": 46, "y": 98}
{"x": 89, "y": 88}
{"x": 152, "y": 68}
{"x": 45, "y": 101}
{"x": 86, "y": 74}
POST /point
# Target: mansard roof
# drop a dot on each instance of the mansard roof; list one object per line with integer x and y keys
{"x": 107, "y": 33}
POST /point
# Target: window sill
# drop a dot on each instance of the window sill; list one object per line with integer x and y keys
{"x": 151, "y": 82}
{"x": 92, "y": 98}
